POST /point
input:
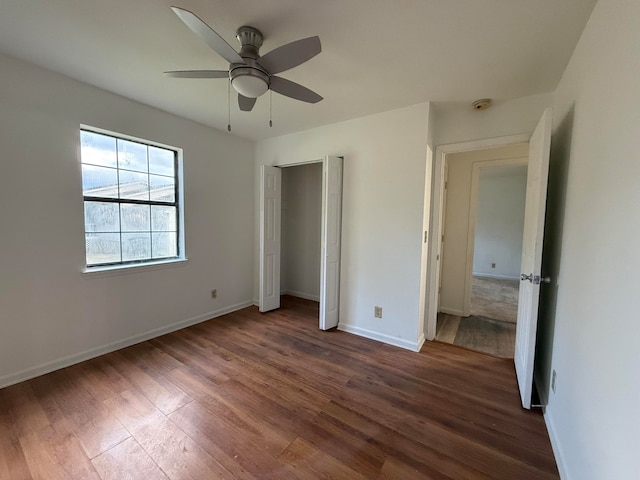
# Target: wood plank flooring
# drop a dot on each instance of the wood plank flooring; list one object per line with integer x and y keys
{"x": 252, "y": 395}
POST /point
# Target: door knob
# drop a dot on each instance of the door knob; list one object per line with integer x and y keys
{"x": 537, "y": 279}
{"x": 524, "y": 277}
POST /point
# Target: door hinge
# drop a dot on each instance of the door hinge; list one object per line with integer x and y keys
{"x": 425, "y": 236}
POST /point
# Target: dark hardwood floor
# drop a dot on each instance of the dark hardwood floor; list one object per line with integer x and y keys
{"x": 252, "y": 395}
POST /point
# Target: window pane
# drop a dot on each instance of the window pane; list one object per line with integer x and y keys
{"x": 161, "y": 161}
{"x": 132, "y": 156}
{"x": 134, "y": 218}
{"x": 136, "y": 246}
{"x": 134, "y": 186}
{"x": 163, "y": 218}
{"x": 98, "y": 149}
{"x": 165, "y": 245}
{"x": 162, "y": 189}
{"x": 102, "y": 248}
{"x": 99, "y": 181}
{"x": 121, "y": 179}
{"x": 101, "y": 217}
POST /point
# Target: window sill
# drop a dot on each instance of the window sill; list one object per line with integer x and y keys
{"x": 98, "y": 272}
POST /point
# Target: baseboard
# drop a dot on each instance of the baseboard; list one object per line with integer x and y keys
{"x": 497, "y": 277}
{"x": 48, "y": 367}
{"x": 452, "y": 311}
{"x": 306, "y": 296}
{"x": 555, "y": 446}
{"x": 381, "y": 337}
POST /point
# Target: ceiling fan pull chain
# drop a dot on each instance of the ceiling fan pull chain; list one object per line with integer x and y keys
{"x": 229, "y": 105}
{"x": 270, "y": 108}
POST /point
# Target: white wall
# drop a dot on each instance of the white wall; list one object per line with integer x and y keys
{"x": 499, "y": 221}
{"x": 459, "y": 122}
{"x": 301, "y": 221}
{"x": 591, "y": 331}
{"x": 50, "y": 313}
{"x": 455, "y": 263}
{"x": 382, "y": 219}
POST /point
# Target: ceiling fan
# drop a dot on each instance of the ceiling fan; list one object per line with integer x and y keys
{"x": 251, "y": 75}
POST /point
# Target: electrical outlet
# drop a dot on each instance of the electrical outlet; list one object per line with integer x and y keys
{"x": 493, "y": 265}
{"x": 377, "y": 312}
{"x": 553, "y": 381}
{"x": 214, "y": 293}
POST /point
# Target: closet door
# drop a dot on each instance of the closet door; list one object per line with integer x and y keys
{"x": 330, "y": 250}
{"x": 270, "y": 200}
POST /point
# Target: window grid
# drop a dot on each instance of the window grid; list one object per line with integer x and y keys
{"x": 132, "y": 201}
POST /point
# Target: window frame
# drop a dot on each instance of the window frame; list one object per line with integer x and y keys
{"x": 178, "y": 203}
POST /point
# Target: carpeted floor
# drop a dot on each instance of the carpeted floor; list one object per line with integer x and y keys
{"x": 477, "y": 333}
{"x": 491, "y": 328}
{"x": 486, "y": 335}
{"x": 495, "y": 298}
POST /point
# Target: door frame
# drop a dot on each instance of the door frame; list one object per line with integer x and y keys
{"x": 437, "y": 217}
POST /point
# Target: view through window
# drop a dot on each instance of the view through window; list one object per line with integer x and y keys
{"x": 131, "y": 207}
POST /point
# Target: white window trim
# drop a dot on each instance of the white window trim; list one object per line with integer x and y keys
{"x": 114, "y": 270}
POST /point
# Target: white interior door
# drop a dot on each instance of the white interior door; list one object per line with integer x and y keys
{"x": 270, "y": 200}
{"x": 330, "y": 250}
{"x": 534, "y": 211}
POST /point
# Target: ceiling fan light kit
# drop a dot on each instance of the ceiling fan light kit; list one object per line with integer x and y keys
{"x": 250, "y": 74}
{"x": 249, "y": 81}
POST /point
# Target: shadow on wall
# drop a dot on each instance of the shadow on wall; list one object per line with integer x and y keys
{"x": 552, "y": 250}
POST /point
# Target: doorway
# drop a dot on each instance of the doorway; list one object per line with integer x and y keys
{"x": 531, "y": 277}
{"x": 483, "y": 218}
{"x": 460, "y": 249}
{"x": 301, "y": 227}
{"x": 497, "y": 240}
{"x": 330, "y": 238}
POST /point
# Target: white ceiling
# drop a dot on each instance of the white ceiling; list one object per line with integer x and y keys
{"x": 377, "y": 55}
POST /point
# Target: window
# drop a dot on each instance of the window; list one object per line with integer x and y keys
{"x": 131, "y": 200}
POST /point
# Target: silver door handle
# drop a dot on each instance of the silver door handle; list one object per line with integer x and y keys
{"x": 537, "y": 279}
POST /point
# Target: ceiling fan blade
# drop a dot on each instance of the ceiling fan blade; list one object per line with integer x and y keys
{"x": 246, "y": 103}
{"x": 293, "y": 90}
{"x": 197, "y": 74}
{"x": 290, "y": 55}
{"x": 206, "y": 33}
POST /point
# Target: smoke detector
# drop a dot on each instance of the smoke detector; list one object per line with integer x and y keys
{"x": 482, "y": 104}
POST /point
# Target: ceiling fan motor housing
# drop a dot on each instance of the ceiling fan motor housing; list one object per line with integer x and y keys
{"x": 249, "y": 78}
